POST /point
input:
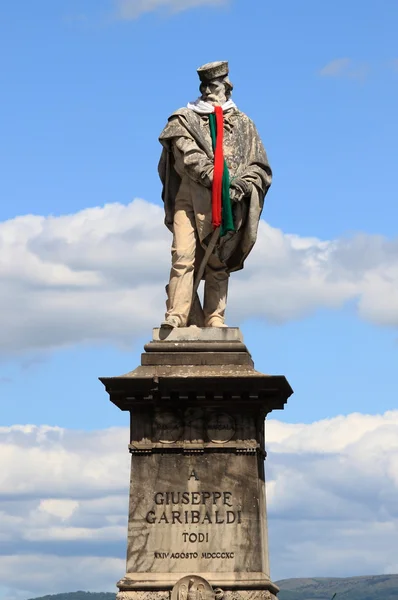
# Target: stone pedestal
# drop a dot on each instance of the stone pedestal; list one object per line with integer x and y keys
{"x": 197, "y": 493}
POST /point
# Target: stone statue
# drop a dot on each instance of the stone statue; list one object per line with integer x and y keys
{"x": 215, "y": 175}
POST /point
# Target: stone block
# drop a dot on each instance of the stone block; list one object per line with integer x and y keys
{"x": 196, "y": 358}
{"x": 198, "y": 334}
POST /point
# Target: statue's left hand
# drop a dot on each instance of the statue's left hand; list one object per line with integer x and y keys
{"x": 239, "y": 189}
{"x": 235, "y": 194}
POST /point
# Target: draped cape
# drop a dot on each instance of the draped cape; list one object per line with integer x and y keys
{"x": 187, "y": 152}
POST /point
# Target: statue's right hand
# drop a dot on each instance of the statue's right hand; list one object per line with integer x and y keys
{"x": 206, "y": 177}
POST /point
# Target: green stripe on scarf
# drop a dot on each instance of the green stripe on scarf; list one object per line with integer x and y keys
{"x": 227, "y": 218}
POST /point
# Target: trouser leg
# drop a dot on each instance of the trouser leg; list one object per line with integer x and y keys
{"x": 180, "y": 286}
{"x": 216, "y": 291}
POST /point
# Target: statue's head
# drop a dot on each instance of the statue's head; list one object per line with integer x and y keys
{"x": 215, "y": 87}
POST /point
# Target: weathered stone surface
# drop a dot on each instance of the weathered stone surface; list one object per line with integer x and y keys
{"x": 197, "y": 513}
{"x": 168, "y": 372}
{"x": 144, "y": 595}
{"x": 197, "y": 498}
{"x": 195, "y": 428}
{"x": 195, "y": 346}
{"x": 200, "y": 334}
{"x": 192, "y": 587}
{"x": 219, "y": 593}
{"x": 201, "y": 383}
{"x": 196, "y": 358}
{"x": 249, "y": 594}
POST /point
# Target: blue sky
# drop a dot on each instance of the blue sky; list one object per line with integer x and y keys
{"x": 85, "y": 96}
{"x": 86, "y": 89}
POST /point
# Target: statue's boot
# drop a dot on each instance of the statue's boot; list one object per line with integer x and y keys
{"x": 170, "y": 323}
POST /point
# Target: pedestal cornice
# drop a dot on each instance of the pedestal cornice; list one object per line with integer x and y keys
{"x": 198, "y": 370}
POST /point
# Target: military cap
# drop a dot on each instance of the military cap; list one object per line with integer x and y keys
{"x": 213, "y": 70}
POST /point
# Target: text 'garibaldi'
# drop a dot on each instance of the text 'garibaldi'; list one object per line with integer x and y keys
{"x": 215, "y": 176}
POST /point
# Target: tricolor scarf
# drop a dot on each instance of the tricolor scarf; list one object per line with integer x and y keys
{"x": 221, "y": 203}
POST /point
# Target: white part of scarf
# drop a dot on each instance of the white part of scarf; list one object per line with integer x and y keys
{"x": 205, "y": 108}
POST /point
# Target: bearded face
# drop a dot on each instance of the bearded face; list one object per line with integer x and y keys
{"x": 216, "y": 91}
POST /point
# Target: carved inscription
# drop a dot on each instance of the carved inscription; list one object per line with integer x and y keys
{"x": 212, "y": 508}
{"x": 168, "y": 427}
{"x": 220, "y": 428}
{"x": 205, "y": 555}
{"x": 200, "y": 508}
{"x": 194, "y": 515}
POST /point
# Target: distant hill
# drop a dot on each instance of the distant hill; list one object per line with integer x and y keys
{"x": 375, "y": 587}
{"x": 378, "y": 587}
{"x": 80, "y": 596}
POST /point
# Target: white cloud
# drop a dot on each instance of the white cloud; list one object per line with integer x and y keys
{"x": 332, "y": 490}
{"x": 61, "y": 460}
{"x": 63, "y": 509}
{"x": 131, "y": 9}
{"x": 32, "y": 575}
{"x": 99, "y": 275}
{"x": 345, "y": 67}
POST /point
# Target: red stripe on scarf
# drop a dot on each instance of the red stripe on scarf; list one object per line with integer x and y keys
{"x": 218, "y": 168}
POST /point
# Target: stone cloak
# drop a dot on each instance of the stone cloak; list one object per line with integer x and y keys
{"x": 246, "y": 158}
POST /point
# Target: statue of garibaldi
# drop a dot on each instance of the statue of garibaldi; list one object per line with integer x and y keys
{"x": 215, "y": 176}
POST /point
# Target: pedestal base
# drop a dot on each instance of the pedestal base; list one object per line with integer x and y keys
{"x": 220, "y": 595}
{"x": 197, "y": 496}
